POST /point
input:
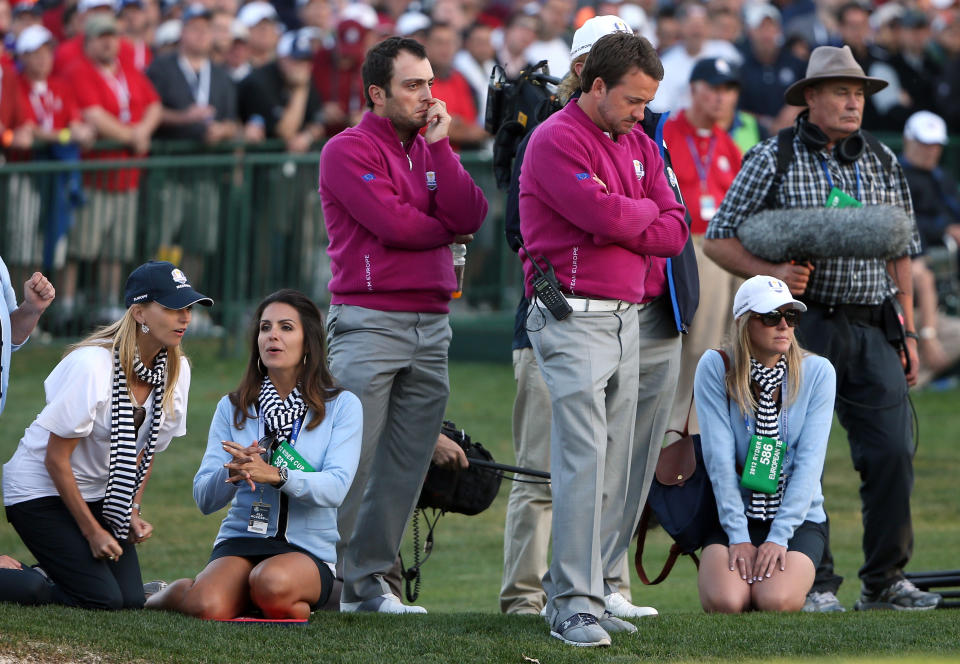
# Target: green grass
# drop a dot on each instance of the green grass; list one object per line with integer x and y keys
{"x": 462, "y": 578}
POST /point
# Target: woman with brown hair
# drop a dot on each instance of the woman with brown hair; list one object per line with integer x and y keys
{"x": 282, "y": 451}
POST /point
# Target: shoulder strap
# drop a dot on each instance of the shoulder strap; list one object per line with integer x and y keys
{"x": 877, "y": 147}
{"x": 784, "y": 159}
{"x": 645, "y": 522}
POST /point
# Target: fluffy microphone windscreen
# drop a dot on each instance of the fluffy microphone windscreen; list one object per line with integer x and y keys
{"x": 876, "y": 231}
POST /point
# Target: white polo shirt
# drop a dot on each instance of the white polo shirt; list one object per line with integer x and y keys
{"x": 78, "y": 394}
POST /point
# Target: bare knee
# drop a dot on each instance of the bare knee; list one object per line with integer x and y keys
{"x": 206, "y": 605}
{"x": 723, "y": 603}
{"x": 274, "y": 590}
{"x": 780, "y": 600}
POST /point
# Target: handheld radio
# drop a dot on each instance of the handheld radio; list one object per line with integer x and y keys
{"x": 546, "y": 289}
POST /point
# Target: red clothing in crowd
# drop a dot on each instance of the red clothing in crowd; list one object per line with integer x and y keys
{"x": 71, "y": 50}
{"x": 52, "y": 105}
{"x": 456, "y": 92}
{"x": 126, "y": 95}
{"x": 343, "y": 85}
{"x": 14, "y": 111}
{"x": 718, "y": 157}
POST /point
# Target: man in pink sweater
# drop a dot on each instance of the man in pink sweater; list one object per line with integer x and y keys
{"x": 393, "y": 201}
{"x": 596, "y": 206}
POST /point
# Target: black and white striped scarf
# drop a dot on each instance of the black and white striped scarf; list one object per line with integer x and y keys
{"x": 280, "y": 414}
{"x": 764, "y": 506}
{"x": 125, "y": 475}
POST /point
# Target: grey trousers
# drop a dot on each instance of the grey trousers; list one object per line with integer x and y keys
{"x": 526, "y": 533}
{"x": 590, "y": 363}
{"x": 396, "y": 363}
{"x": 659, "y": 367}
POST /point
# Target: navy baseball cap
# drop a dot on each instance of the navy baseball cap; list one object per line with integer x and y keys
{"x": 163, "y": 283}
{"x": 715, "y": 71}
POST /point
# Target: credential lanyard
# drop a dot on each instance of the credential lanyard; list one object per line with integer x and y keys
{"x": 40, "y": 100}
{"x": 118, "y": 83}
{"x": 294, "y": 432}
{"x": 199, "y": 82}
{"x": 702, "y": 166}
{"x": 856, "y": 169}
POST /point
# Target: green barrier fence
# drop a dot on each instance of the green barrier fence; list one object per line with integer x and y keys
{"x": 242, "y": 221}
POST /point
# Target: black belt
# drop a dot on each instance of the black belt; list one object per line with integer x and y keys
{"x": 868, "y": 314}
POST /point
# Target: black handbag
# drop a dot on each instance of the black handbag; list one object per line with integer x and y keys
{"x": 681, "y": 498}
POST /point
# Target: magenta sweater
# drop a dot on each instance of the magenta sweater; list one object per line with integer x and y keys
{"x": 609, "y": 242}
{"x": 390, "y": 219}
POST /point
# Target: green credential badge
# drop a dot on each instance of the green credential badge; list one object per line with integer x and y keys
{"x": 287, "y": 457}
{"x": 761, "y": 471}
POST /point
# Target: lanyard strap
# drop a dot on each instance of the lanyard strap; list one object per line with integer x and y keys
{"x": 198, "y": 82}
{"x": 294, "y": 432}
{"x": 702, "y": 166}
{"x": 40, "y": 100}
{"x": 856, "y": 169}
{"x": 118, "y": 83}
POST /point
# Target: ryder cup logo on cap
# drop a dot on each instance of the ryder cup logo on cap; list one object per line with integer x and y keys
{"x": 593, "y": 29}
{"x": 762, "y": 294}
{"x": 163, "y": 283}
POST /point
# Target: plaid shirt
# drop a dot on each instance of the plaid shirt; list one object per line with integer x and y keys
{"x": 835, "y": 280}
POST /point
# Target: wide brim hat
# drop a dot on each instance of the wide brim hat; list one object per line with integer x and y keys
{"x": 830, "y": 62}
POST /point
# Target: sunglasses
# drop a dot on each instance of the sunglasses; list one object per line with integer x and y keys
{"x": 772, "y": 319}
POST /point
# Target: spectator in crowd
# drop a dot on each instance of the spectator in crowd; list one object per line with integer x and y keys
{"x": 845, "y": 299}
{"x": 134, "y": 23}
{"x": 237, "y": 59}
{"x": 449, "y": 12}
{"x": 668, "y": 29}
{"x": 413, "y": 24}
{"x": 887, "y": 110}
{"x": 442, "y": 44}
{"x": 338, "y": 78}
{"x": 705, "y": 160}
{"x": 278, "y": 559}
{"x": 318, "y": 14}
{"x": 519, "y": 33}
{"x": 914, "y": 63}
{"x": 261, "y": 20}
{"x": 122, "y": 105}
{"x": 59, "y": 126}
{"x": 887, "y": 27}
{"x": 551, "y": 44}
{"x": 16, "y": 126}
{"x": 166, "y": 37}
{"x": 278, "y": 100}
{"x": 816, "y": 25}
{"x": 221, "y": 37}
{"x": 395, "y": 300}
{"x": 71, "y": 50}
{"x": 768, "y": 70}
{"x": 526, "y": 532}
{"x": 74, "y": 487}
{"x": 25, "y": 13}
{"x": 606, "y": 426}
{"x": 764, "y": 551}
{"x": 475, "y": 61}
{"x": 674, "y": 92}
{"x": 725, "y": 24}
{"x": 199, "y": 100}
{"x": 937, "y": 207}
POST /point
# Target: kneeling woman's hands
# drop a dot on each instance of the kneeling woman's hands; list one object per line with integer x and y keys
{"x": 769, "y": 557}
{"x": 742, "y": 558}
{"x": 248, "y": 465}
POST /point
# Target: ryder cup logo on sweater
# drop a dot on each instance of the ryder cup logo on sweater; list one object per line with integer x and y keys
{"x": 431, "y": 180}
{"x": 582, "y": 176}
{"x": 638, "y": 168}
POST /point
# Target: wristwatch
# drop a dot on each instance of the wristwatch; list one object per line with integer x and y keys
{"x": 282, "y": 470}
{"x": 136, "y": 506}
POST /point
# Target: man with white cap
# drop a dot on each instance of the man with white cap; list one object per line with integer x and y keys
{"x": 262, "y": 23}
{"x": 851, "y": 301}
{"x": 526, "y": 536}
{"x": 598, "y": 213}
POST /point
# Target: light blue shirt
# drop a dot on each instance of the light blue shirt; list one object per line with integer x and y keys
{"x": 332, "y": 448}
{"x": 725, "y": 434}
{"x": 10, "y": 300}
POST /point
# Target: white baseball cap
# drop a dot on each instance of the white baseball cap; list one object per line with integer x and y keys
{"x": 410, "y": 22}
{"x": 363, "y": 14}
{"x": 593, "y": 29}
{"x": 754, "y": 15}
{"x": 254, "y": 12}
{"x": 33, "y": 37}
{"x": 923, "y": 127}
{"x": 87, "y": 5}
{"x": 168, "y": 32}
{"x": 763, "y": 294}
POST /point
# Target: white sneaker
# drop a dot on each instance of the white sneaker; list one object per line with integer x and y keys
{"x": 387, "y": 603}
{"x": 618, "y": 605}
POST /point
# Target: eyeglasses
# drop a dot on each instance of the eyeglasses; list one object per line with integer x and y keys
{"x": 772, "y": 319}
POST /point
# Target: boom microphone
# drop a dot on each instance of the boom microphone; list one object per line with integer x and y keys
{"x": 800, "y": 234}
